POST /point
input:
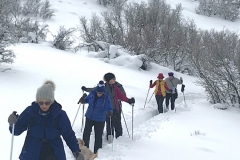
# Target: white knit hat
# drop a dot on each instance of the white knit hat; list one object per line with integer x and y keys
{"x": 46, "y": 91}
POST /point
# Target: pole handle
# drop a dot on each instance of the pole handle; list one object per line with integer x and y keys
{"x": 15, "y": 113}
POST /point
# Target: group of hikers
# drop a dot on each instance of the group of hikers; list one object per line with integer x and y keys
{"x": 166, "y": 88}
{"x": 46, "y": 122}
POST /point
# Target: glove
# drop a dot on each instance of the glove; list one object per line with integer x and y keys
{"x": 78, "y": 155}
{"x": 82, "y": 98}
{"x": 150, "y": 82}
{"x": 110, "y": 114}
{"x": 131, "y": 101}
{"x": 84, "y": 95}
{"x": 171, "y": 90}
{"x": 84, "y": 88}
{"x": 183, "y": 87}
{"x": 13, "y": 118}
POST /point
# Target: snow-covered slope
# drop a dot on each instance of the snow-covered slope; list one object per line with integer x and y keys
{"x": 168, "y": 136}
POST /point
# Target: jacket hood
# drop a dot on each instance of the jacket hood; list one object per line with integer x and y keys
{"x": 118, "y": 84}
{"x": 55, "y": 109}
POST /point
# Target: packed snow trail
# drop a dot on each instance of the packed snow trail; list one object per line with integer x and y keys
{"x": 146, "y": 121}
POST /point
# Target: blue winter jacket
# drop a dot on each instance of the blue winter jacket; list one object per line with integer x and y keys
{"x": 98, "y": 106}
{"x": 57, "y": 125}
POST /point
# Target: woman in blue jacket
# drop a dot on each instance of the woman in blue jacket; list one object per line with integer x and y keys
{"x": 99, "y": 107}
{"x": 45, "y": 122}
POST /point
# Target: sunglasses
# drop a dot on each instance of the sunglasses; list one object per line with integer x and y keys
{"x": 46, "y": 103}
{"x": 100, "y": 92}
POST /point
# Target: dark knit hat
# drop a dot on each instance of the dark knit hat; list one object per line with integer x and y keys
{"x": 46, "y": 91}
{"x": 108, "y": 76}
{"x": 170, "y": 74}
{"x": 100, "y": 87}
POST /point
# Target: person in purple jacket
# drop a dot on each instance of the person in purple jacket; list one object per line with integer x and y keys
{"x": 45, "y": 122}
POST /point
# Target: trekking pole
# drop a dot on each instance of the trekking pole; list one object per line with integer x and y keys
{"x": 13, "y": 127}
{"x": 76, "y": 115}
{"x": 184, "y": 97}
{"x": 77, "y": 110}
{"x": 175, "y": 108}
{"x": 110, "y": 118}
{"x": 82, "y": 118}
{"x": 146, "y": 97}
{"x": 125, "y": 123}
{"x": 182, "y": 90}
{"x": 151, "y": 97}
{"x": 132, "y": 120}
{"x": 82, "y": 115}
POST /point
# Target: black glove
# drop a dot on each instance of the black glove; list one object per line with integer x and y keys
{"x": 78, "y": 155}
{"x": 13, "y": 118}
{"x": 150, "y": 82}
{"x": 182, "y": 88}
{"x": 84, "y": 88}
{"x": 131, "y": 101}
{"x": 170, "y": 90}
{"x": 110, "y": 114}
{"x": 84, "y": 95}
{"x": 82, "y": 98}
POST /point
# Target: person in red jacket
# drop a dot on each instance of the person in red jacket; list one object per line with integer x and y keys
{"x": 160, "y": 91}
{"x": 116, "y": 93}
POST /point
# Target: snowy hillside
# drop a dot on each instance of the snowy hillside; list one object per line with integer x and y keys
{"x": 196, "y": 131}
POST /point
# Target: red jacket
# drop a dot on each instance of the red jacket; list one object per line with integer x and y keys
{"x": 118, "y": 95}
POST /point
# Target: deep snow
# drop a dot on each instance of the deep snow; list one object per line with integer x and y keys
{"x": 168, "y": 136}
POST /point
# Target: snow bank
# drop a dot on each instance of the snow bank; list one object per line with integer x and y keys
{"x": 220, "y": 106}
{"x": 119, "y": 57}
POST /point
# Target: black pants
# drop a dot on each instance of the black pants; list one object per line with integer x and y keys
{"x": 47, "y": 152}
{"x": 116, "y": 124}
{"x": 160, "y": 99}
{"x": 172, "y": 98}
{"x": 98, "y": 131}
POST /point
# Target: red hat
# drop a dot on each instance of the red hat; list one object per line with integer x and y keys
{"x": 160, "y": 76}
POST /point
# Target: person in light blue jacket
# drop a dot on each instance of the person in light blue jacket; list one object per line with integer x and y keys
{"x": 99, "y": 106}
